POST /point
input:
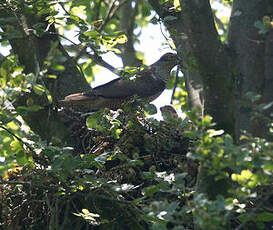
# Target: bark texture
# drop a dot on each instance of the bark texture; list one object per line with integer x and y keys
{"x": 253, "y": 55}
{"x": 32, "y": 51}
{"x": 127, "y": 25}
{"x": 177, "y": 30}
{"x": 214, "y": 62}
{"x": 216, "y": 74}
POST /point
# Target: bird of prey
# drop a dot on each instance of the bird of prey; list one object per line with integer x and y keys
{"x": 148, "y": 84}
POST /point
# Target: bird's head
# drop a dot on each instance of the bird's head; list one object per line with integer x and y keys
{"x": 169, "y": 60}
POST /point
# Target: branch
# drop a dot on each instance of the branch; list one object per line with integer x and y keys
{"x": 16, "y": 137}
{"x": 32, "y": 52}
{"x": 175, "y": 83}
{"x": 111, "y": 13}
{"x": 95, "y": 57}
{"x": 98, "y": 6}
{"x": 220, "y": 24}
{"x": 127, "y": 23}
{"x": 32, "y": 152}
{"x": 202, "y": 32}
{"x": 157, "y": 7}
{"x": 2, "y": 58}
{"x": 100, "y": 61}
{"x": 108, "y": 15}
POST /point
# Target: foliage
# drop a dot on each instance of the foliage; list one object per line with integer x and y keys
{"x": 151, "y": 172}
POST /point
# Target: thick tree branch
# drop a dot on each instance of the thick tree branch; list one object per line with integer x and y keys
{"x": 253, "y": 58}
{"x": 208, "y": 74}
{"x": 191, "y": 74}
{"x": 202, "y": 32}
{"x": 214, "y": 63}
{"x": 32, "y": 52}
{"x": 127, "y": 24}
{"x": 268, "y": 82}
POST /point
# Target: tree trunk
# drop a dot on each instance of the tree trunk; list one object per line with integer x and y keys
{"x": 45, "y": 122}
{"x": 177, "y": 29}
{"x": 127, "y": 25}
{"x": 218, "y": 73}
{"x": 253, "y": 59}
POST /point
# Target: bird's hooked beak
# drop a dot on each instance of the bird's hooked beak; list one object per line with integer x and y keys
{"x": 174, "y": 60}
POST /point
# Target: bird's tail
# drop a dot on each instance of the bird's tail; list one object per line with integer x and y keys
{"x": 73, "y": 99}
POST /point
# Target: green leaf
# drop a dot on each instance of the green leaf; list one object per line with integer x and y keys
{"x": 169, "y": 18}
{"x": 263, "y": 29}
{"x": 206, "y": 121}
{"x": 265, "y": 216}
{"x": 30, "y": 108}
{"x": 117, "y": 133}
{"x": 92, "y": 122}
{"x": 92, "y": 34}
{"x": 21, "y": 158}
{"x": 121, "y": 39}
{"x": 38, "y": 89}
{"x": 52, "y": 76}
{"x": 16, "y": 146}
{"x": 149, "y": 191}
{"x": 176, "y": 4}
{"x": 58, "y": 67}
{"x": 150, "y": 109}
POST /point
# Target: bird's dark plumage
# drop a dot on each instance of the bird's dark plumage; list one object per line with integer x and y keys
{"x": 148, "y": 83}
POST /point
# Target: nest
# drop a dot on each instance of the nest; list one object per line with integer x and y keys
{"x": 143, "y": 146}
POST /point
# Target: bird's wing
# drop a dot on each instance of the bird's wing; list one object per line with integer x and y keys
{"x": 143, "y": 84}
